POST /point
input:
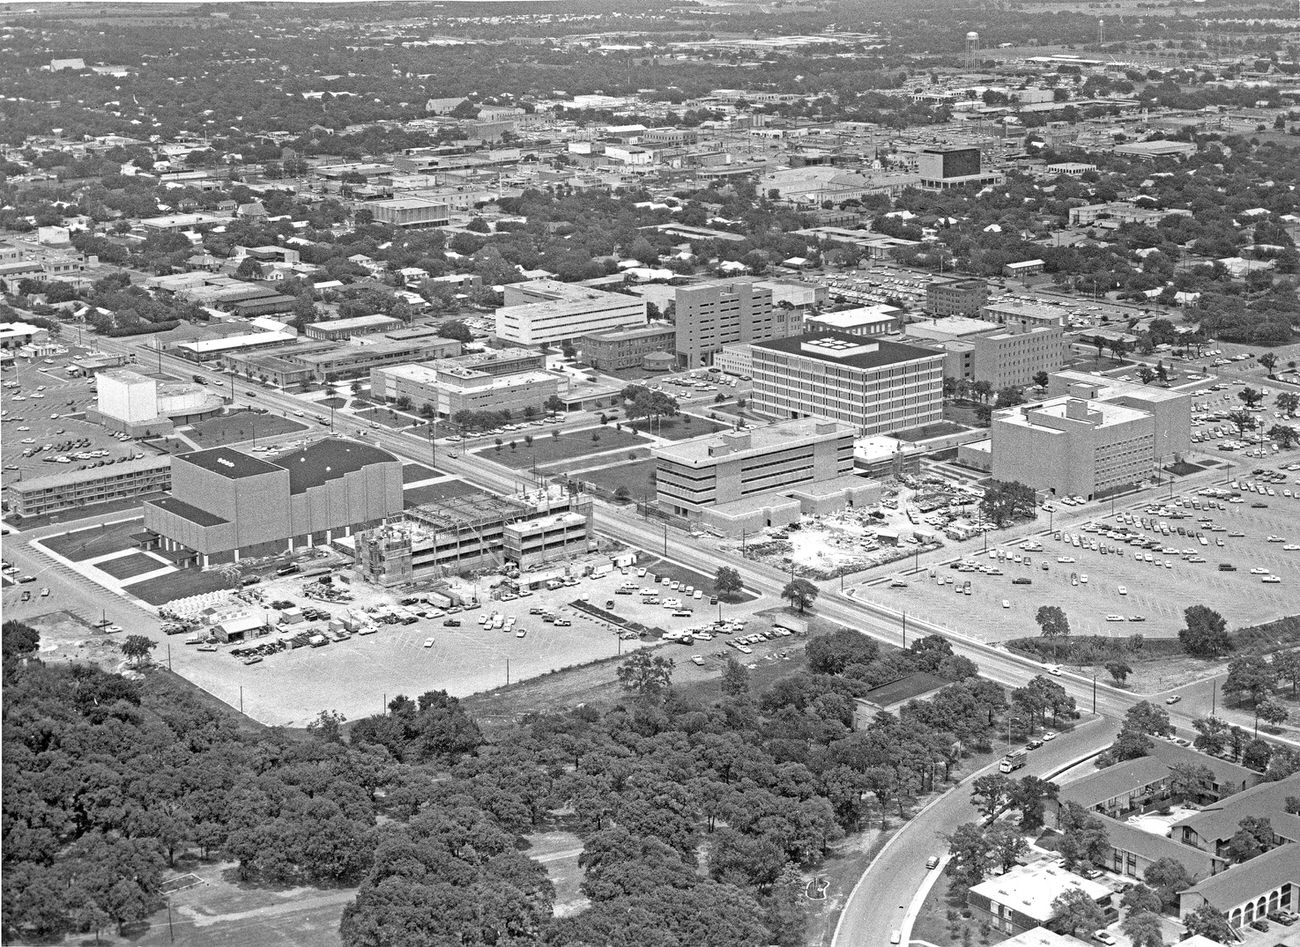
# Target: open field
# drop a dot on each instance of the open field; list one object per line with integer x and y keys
{"x": 136, "y": 563}
{"x": 684, "y": 426}
{"x": 176, "y": 585}
{"x": 413, "y": 473}
{"x": 387, "y": 417}
{"x": 546, "y": 449}
{"x": 97, "y": 541}
{"x": 240, "y": 426}
{"x": 635, "y": 475}
{"x": 432, "y": 492}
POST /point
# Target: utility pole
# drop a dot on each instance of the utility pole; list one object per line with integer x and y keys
{"x": 507, "y": 672}
{"x": 904, "y": 631}
{"x": 1094, "y": 692}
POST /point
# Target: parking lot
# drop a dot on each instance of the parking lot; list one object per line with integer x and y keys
{"x": 1250, "y": 569}
{"x": 357, "y": 674}
{"x": 43, "y": 406}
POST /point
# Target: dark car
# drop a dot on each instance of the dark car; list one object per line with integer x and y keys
{"x": 451, "y": 623}
{"x": 1021, "y": 580}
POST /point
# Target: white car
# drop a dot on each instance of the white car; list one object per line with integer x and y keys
{"x": 1065, "y": 558}
{"x": 1258, "y": 571}
{"x": 428, "y": 642}
{"x": 1271, "y": 579}
{"x": 1116, "y": 618}
{"x": 1123, "y": 590}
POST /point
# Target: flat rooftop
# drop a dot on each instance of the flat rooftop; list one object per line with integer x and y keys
{"x": 89, "y": 475}
{"x": 841, "y": 348}
{"x": 1102, "y": 414}
{"x": 709, "y": 449}
{"x": 230, "y": 463}
{"x": 862, "y": 316}
{"x": 952, "y": 327}
{"x": 357, "y": 322}
{"x": 1031, "y": 889}
{"x": 327, "y": 460}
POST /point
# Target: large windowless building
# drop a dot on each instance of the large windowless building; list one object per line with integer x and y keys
{"x": 876, "y": 386}
{"x": 225, "y": 504}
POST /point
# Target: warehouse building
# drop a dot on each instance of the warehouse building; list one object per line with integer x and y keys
{"x": 225, "y": 504}
{"x": 877, "y": 386}
{"x": 543, "y": 311}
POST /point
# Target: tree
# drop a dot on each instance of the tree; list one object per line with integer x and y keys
{"x": 1141, "y": 898}
{"x": 1272, "y": 711}
{"x": 991, "y": 794}
{"x": 727, "y": 583}
{"x": 137, "y": 648}
{"x": 1009, "y": 397}
{"x": 1254, "y": 836}
{"x": 1187, "y": 781}
{"x": 1074, "y": 910}
{"x": 1083, "y": 836}
{"x": 1209, "y": 921}
{"x": 1118, "y": 671}
{"x": 1250, "y": 396}
{"x": 645, "y": 676}
{"x": 835, "y": 652}
{"x": 1052, "y": 621}
{"x": 786, "y": 908}
{"x": 328, "y": 726}
{"x": 456, "y": 330}
{"x": 1145, "y": 717}
{"x": 1285, "y": 435}
{"x": 1243, "y": 420}
{"x": 1146, "y": 374}
{"x": 248, "y": 269}
{"x": 800, "y": 593}
{"x": 1205, "y": 634}
{"x": 1041, "y": 379}
{"x": 1007, "y": 844}
{"x": 735, "y": 679}
{"x": 1005, "y": 501}
{"x": 1143, "y": 929}
{"x": 1269, "y": 361}
{"x": 970, "y": 856}
{"x": 1249, "y": 676}
{"x": 1211, "y": 735}
{"x": 1288, "y": 402}
{"x": 1100, "y": 343}
{"x": 1168, "y": 878}
{"x": 555, "y": 405}
{"x": 1030, "y": 796}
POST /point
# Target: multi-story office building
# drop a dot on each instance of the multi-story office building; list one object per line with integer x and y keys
{"x": 452, "y": 388}
{"x": 410, "y": 212}
{"x": 1073, "y": 447}
{"x": 225, "y": 504}
{"x": 81, "y": 488}
{"x": 956, "y": 297}
{"x": 711, "y": 315}
{"x": 1170, "y": 409}
{"x": 876, "y": 385}
{"x": 865, "y": 321}
{"x": 626, "y": 348}
{"x": 942, "y": 168}
{"x": 544, "y": 311}
{"x": 984, "y": 351}
{"x": 766, "y": 476}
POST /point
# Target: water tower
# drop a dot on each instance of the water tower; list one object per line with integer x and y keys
{"x": 972, "y": 51}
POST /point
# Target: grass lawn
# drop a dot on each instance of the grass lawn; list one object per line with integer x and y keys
{"x": 180, "y": 584}
{"x": 659, "y": 567}
{"x": 415, "y": 472}
{"x": 97, "y": 541}
{"x": 684, "y": 426}
{"x": 548, "y": 450}
{"x": 126, "y": 566}
{"x": 944, "y": 919}
{"x": 172, "y": 445}
{"x": 635, "y": 476}
{"x": 386, "y": 416}
{"x": 240, "y": 426}
{"x": 332, "y": 402}
{"x": 433, "y": 492}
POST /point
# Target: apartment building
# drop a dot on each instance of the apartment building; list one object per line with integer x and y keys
{"x": 81, "y": 488}
{"x": 711, "y": 315}
{"x": 543, "y": 311}
{"x": 876, "y": 385}
{"x": 618, "y": 349}
{"x": 956, "y": 297}
{"x": 1021, "y": 899}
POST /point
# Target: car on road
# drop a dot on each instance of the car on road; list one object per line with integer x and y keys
{"x": 1173, "y": 699}
{"x": 1054, "y": 669}
{"x": 932, "y": 863}
{"x": 1049, "y": 735}
{"x": 1103, "y": 937}
{"x": 1033, "y": 744}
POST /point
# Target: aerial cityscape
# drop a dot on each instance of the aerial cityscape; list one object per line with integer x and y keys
{"x": 689, "y": 473}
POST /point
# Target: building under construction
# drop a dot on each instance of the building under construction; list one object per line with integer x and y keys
{"x": 476, "y": 531}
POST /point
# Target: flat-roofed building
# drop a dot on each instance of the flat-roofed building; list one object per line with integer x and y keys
{"x": 140, "y": 405}
{"x": 619, "y": 349}
{"x": 469, "y": 532}
{"x": 956, "y": 297}
{"x": 335, "y": 329}
{"x": 722, "y": 312}
{"x": 1017, "y": 314}
{"x": 543, "y": 311}
{"x": 75, "y": 489}
{"x": 875, "y": 385}
{"x": 1073, "y": 447}
{"x": 760, "y": 477}
{"x": 452, "y": 388}
{"x": 1021, "y": 899}
{"x": 206, "y": 350}
{"x": 357, "y": 360}
{"x": 976, "y": 350}
{"x": 225, "y": 504}
{"x": 1170, "y": 408}
{"x": 864, "y": 321}
{"x": 410, "y": 212}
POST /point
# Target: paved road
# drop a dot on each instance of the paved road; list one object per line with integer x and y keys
{"x": 880, "y": 900}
